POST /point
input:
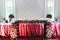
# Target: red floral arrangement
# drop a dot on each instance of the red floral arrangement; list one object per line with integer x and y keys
{"x": 13, "y": 32}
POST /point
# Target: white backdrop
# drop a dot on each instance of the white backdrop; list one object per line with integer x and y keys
{"x": 30, "y": 9}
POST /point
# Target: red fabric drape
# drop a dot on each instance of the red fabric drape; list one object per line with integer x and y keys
{"x": 27, "y": 29}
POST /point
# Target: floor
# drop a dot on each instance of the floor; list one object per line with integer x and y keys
{"x": 30, "y": 38}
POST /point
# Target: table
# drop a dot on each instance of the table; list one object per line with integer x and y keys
{"x": 31, "y": 29}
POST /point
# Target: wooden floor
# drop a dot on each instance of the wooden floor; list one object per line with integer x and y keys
{"x": 30, "y": 38}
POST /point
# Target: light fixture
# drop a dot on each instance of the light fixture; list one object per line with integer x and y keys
{"x": 50, "y": 4}
{"x": 10, "y": 4}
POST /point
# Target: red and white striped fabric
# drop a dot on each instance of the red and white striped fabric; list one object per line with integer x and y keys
{"x": 56, "y": 29}
{"x": 5, "y": 29}
{"x": 29, "y": 29}
{"x": 2, "y": 30}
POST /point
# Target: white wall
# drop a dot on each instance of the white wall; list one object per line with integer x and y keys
{"x": 2, "y": 9}
{"x": 57, "y": 8}
{"x": 30, "y": 9}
